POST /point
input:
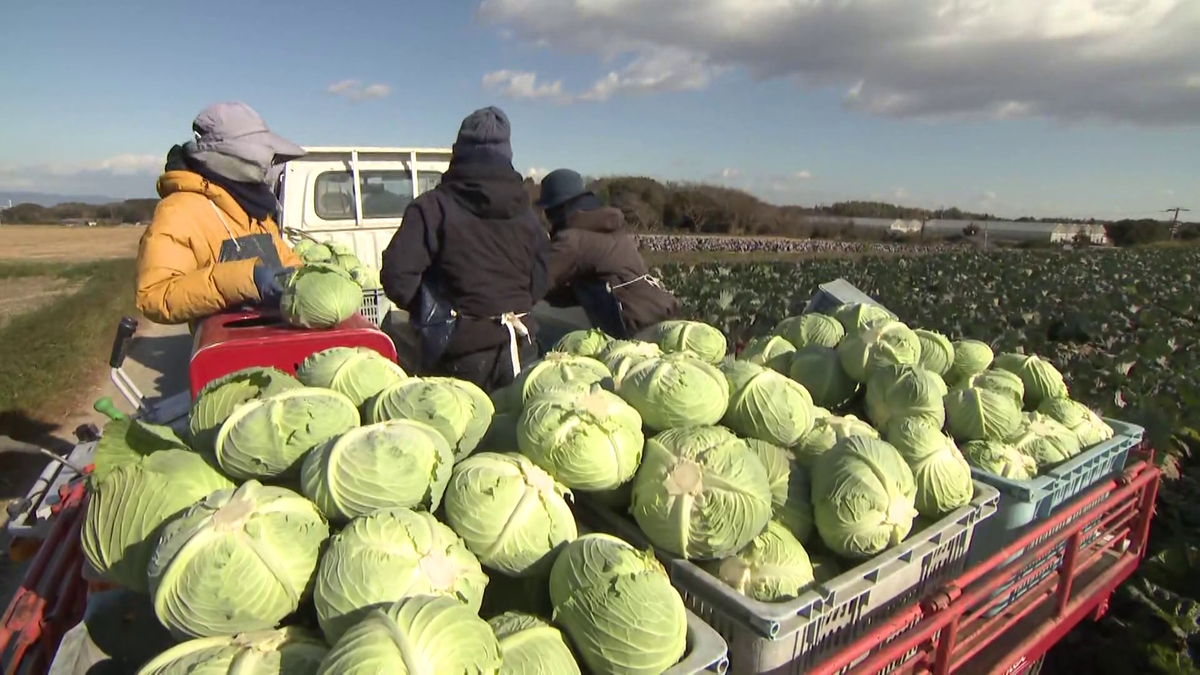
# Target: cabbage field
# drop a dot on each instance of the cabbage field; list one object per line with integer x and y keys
{"x": 1122, "y": 325}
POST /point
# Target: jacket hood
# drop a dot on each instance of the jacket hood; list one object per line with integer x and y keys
{"x": 172, "y": 182}
{"x": 487, "y": 190}
{"x": 605, "y": 219}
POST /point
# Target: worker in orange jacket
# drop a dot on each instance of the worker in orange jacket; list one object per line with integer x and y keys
{"x": 214, "y": 242}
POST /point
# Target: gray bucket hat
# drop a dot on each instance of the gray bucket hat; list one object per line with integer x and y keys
{"x": 233, "y": 141}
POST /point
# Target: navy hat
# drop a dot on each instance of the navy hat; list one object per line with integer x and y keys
{"x": 559, "y": 187}
{"x": 485, "y": 131}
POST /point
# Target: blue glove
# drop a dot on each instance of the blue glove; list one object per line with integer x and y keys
{"x": 270, "y": 282}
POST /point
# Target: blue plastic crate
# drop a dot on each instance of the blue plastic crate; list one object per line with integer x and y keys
{"x": 1023, "y": 504}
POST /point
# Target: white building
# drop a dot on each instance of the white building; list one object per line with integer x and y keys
{"x": 1066, "y": 233}
{"x": 905, "y": 226}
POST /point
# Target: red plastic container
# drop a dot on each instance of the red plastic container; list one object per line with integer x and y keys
{"x": 225, "y": 343}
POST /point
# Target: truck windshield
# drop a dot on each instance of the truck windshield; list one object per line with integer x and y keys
{"x": 385, "y": 194}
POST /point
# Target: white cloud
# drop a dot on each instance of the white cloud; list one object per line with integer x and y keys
{"x": 355, "y": 90}
{"x": 730, "y": 173}
{"x": 119, "y": 176}
{"x": 536, "y": 173}
{"x": 524, "y": 86}
{"x": 1114, "y": 60}
{"x": 900, "y": 193}
{"x": 803, "y": 175}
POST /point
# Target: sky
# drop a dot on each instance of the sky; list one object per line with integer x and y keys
{"x": 1018, "y": 107}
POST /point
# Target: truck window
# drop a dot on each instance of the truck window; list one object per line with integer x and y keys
{"x": 385, "y": 194}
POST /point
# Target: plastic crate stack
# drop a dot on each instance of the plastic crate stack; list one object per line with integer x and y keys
{"x": 375, "y": 305}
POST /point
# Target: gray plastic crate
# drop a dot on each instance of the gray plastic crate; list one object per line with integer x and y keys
{"x": 1026, "y": 503}
{"x": 706, "y": 650}
{"x": 791, "y": 637}
{"x": 375, "y": 305}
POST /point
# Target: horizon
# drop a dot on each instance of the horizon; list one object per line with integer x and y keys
{"x": 1026, "y": 108}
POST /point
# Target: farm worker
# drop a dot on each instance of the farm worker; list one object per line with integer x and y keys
{"x": 595, "y": 263}
{"x": 214, "y": 242}
{"x": 469, "y": 261}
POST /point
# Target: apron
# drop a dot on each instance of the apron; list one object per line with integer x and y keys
{"x": 599, "y": 301}
{"x": 235, "y": 249}
{"x": 435, "y": 321}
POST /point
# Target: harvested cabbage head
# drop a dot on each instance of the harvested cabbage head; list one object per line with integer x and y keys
{"x": 700, "y": 339}
{"x": 766, "y": 405}
{"x": 586, "y": 440}
{"x": 816, "y": 330}
{"x": 1088, "y": 427}
{"x": 940, "y": 471}
{"x": 357, "y": 372}
{"x": 701, "y": 492}
{"x": 820, "y": 370}
{"x": 970, "y": 357}
{"x": 827, "y": 432}
{"x": 769, "y": 351}
{"x": 677, "y": 390}
{"x": 399, "y": 463}
{"x": 388, "y": 555}
{"x": 856, "y": 316}
{"x": 531, "y": 646}
{"x": 1045, "y": 440}
{"x": 553, "y": 371}
{"x": 791, "y": 502}
{"x": 1000, "y": 381}
{"x": 1042, "y": 380}
{"x": 881, "y": 343}
{"x": 773, "y": 567}
{"x": 937, "y": 352}
{"x": 290, "y": 650}
{"x": 510, "y": 512}
{"x": 896, "y": 392}
{"x": 1001, "y": 459}
{"x": 974, "y": 414}
{"x": 617, "y": 605}
{"x": 417, "y": 635}
{"x": 218, "y": 398}
{"x": 313, "y": 252}
{"x": 620, "y": 356}
{"x": 320, "y": 296}
{"x": 268, "y": 438}
{"x": 864, "y": 497}
{"x": 460, "y": 410}
{"x": 366, "y": 277}
{"x": 582, "y": 342}
{"x": 144, "y": 476}
{"x": 255, "y": 537}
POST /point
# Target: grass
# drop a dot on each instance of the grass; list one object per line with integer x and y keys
{"x": 50, "y": 351}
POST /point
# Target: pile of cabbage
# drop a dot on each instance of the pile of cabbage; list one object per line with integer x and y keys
{"x": 348, "y": 520}
{"x": 822, "y": 445}
{"x": 327, "y": 288}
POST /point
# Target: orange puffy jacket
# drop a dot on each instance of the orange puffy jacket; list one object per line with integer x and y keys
{"x": 178, "y": 276}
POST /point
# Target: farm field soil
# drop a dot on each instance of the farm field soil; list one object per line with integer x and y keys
{"x": 1124, "y": 328}
{"x": 54, "y": 243}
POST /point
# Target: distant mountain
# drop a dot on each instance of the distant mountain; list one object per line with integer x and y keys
{"x": 48, "y": 199}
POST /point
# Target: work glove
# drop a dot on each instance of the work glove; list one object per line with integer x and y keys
{"x": 270, "y": 282}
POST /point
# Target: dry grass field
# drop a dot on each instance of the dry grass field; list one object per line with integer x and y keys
{"x": 53, "y": 243}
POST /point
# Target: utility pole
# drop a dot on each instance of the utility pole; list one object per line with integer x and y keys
{"x": 2, "y": 212}
{"x": 1175, "y": 219}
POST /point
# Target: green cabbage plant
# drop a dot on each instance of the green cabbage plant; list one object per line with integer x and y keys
{"x": 620, "y": 356}
{"x": 582, "y": 342}
{"x": 791, "y": 488}
{"x": 937, "y": 352}
{"x": 460, "y": 410}
{"x": 531, "y": 646}
{"x": 941, "y": 473}
{"x": 773, "y": 567}
{"x": 676, "y": 390}
{"x": 509, "y": 511}
{"x": 398, "y": 463}
{"x": 267, "y": 438}
{"x": 701, "y": 492}
{"x": 864, "y": 497}
{"x": 217, "y": 399}
{"x": 820, "y": 370}
{"x": 237, "y": 561}
{"x": 618, "y": 607}
{"x": 905, "y": 391}
{"x": 320, "y": 295}
{"x": 1001, "y": 459}
{"x": 586, "y": 440}
{"x": 766, "y": 405}
{"x": 700, "y": 339}
{"x": 420, "y": 634}
{"x": 387, "y": 555}
{"x": 1042, "y": 380}
{"x": 290, "y": 650}
{"x": 974, "y": 414}
{"x": 769, "y": 351}
{"x": 552, "y": 371}
{"x": 143, "y": 477}
{"x": 971, "y": 357}
{"x": 1000, "y": 381}
{"x": 881, "y": 343}
{"x": 313, "y": 252}
{"x": 827, "y": 432}
{"x": 856, "y": 316}
{"x": 1088, "y": 427}
{"x": 1045, "y": 440}
{"x": 817, "y": 330}
{"x": 357, "y": 372}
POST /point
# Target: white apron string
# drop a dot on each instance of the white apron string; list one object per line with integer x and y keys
{"x": 512, "y": 322}
{"x": 645, "y": 277}
{"x": 226, "y": 224}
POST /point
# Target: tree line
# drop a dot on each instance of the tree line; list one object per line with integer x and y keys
{"x": 129, "y": 211}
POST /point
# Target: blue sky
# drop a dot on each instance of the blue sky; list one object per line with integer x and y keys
{"x": 1013, "y": 109}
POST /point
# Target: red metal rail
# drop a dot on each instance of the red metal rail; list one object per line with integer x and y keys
{"x": 950, "y": 632}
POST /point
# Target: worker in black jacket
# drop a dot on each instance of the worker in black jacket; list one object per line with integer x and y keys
{"x": 469, "y": 262}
